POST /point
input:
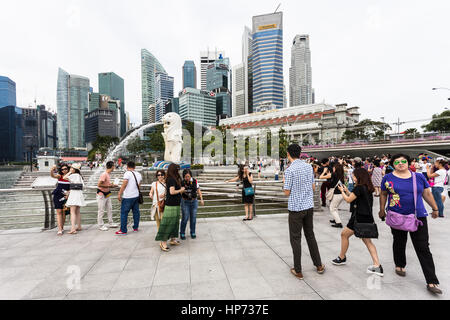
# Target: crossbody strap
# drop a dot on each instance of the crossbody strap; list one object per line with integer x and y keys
{"x": 137, "y": 184}
{"x": 157, "y": 195}
{"x": 415, "y": 191}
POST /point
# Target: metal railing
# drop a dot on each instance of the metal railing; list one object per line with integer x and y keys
{"x": 28, "y": 207}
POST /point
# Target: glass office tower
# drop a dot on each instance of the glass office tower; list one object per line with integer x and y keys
{"x": 7, "y": 92}
{"x": 218, "y": 80}
{"x": 300, "y": 74}
{"x": 163, "y": 93}
{"x": 189, "y": 75}
{"x": 267, "y": 60}
{"x": 112, "y": 85}
{"x": 149, "y": 67}
{"x": 72, "y": 103}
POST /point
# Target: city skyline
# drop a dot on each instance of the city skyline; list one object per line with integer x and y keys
{"x": 363, "y": 56}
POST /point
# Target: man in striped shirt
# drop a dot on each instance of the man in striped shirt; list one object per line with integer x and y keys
{"x": 299, "y": 186}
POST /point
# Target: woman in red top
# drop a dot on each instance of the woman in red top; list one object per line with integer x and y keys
{"x": 412, "y": 167}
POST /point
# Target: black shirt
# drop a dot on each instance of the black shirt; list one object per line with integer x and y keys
{"x": 362, "y": 206}
{"x": 191, "y": 189}
{"x": 172, "y": 200}
{"x": 334, "y": 182}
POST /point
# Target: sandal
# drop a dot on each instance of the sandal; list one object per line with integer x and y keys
{"x": 164, "y": 248}
{"x": 60, "y": 233}
{"x": 175, "y": 243}
{"x": 73, "y": 232}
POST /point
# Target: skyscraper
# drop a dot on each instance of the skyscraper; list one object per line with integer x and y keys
{"x": 7, "y": 92}
{"x": 267, "y": 60}
{"x": 72, "y": 103}
{"x": 300, "y": 82}
{"x": 189, "y": 75}
{"x": 239, "y": 90}
{"x": 112, "y": 85}
{"x": 149, "y": 67}
{"x": 218, "y": 80}
{"x": 206, "y": 58}
{"x": 163, "y": 93}
{"x": 247, "y": 49}
{"x": 198, "y": 106}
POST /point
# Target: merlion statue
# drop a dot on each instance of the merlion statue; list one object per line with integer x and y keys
{"x": 172, "y": 137}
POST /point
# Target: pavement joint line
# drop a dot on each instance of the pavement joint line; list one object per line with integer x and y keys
{"x": 221, "y": 263}
{"x": 154, "y": 275}
{"x": 282, "y": 259}
{"x": 110, "y": 291}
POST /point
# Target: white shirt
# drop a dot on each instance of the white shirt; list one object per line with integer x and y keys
{"x": 424, "y": 166}
{"x": 131, "y": 191}
{"x": 161, "y": 192}
{"x": 439, "y": 180}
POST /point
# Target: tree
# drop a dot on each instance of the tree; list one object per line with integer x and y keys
{"x": 437, "y": 124}
{"x": 366, "y": 130}
{"x": 102, "y": 144}
{"x": 136, "y": 146}
{"x": 283, "y": 143}
{"x": 411, "y": 133}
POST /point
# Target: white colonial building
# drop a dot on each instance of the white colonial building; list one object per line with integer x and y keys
{"x": 307, "y": 124}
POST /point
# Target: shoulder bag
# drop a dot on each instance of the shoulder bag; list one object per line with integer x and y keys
{"x": 141, "y": 197}
{"x": 161, "y": 203}
{"x": 404, "y": 222}
{"x": 365, "y": 230}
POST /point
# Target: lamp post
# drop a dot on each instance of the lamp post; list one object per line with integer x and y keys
{"x": 441, "y": 89}
{"x": 384, "y": 127}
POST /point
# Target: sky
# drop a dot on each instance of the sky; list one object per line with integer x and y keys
{"x": 383, "y": 56}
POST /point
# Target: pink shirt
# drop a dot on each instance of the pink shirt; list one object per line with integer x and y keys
{"x": 105, "y": 178}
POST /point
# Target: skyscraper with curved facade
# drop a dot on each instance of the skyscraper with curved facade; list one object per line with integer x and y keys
{"x": 267, "y": 60}
{"x": 189, "y": 75}
{"x": 150, "y": 66}
{"x": 72, "y": 100}
{"x": 300, "y": 74}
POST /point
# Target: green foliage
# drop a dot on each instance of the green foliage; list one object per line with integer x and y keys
{"x": 411, "y": 132}
{"x": 284, "y": 143}
{"x": 136, "y": 146}
{"x": 101, "y": 145}
{"x": 156, "y": 140}
{"x": 439, "y": 125}
{"x": 367, "y": 130}
{"x": 197, "y": 167}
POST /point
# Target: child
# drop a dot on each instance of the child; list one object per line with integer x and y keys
{"x": 362, "y": 211}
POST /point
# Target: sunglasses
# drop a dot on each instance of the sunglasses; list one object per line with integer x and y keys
{"x": 397, "y": 162}
{"x": 160, "y": 175}
{"x": 64, "y": 169}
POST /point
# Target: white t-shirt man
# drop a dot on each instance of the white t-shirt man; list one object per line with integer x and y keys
{"x": 440, "y": 179}
{"x": 131, "y": 191}
{"x": 424, "y": 166}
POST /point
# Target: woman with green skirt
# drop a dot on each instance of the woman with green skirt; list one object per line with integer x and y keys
{"x": 170, "y": 223}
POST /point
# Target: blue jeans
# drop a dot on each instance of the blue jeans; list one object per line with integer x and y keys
{"x": 350, "y": 187}
{"x": 188, "y": 212}
{"x": 127, "y": 205}
{"x": 437, "y": 195}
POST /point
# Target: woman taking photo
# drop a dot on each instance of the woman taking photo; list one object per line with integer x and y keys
{"x": 60, "y": 195}
{"x": 170, "y": 222}
{"x": 189, "y": 204}
{"x": 438, "y": 187}
{"x": 245, "y": 176}
{"x": 76, "y": 197}
{"x": 158, "y": 195}
{"x": 337, "y": 178}
{"x": 362, "y": 200}
{"x": 398, "y": 185}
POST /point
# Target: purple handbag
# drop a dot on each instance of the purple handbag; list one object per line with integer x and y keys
{"x": 405, "y": 222}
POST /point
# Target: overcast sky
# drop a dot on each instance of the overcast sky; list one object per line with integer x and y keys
{"x": 383, "y": 56}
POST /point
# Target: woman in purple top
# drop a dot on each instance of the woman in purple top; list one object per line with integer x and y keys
{"x": 397, "y": 188}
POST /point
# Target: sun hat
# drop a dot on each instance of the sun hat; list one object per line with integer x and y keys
{"x": 76, "y": 166}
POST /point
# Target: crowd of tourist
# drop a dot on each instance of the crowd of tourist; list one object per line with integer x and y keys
{"x": 402, "y": 185}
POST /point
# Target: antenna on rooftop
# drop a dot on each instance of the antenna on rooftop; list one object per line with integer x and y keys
{"x": 277, "y": 8}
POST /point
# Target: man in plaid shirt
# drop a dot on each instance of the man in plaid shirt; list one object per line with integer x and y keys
{"x": 299, "y": 186}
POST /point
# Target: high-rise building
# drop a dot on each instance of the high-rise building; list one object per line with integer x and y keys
{"x": 47, "y": 128}
{"x": 267, "y": 60}
{"x": 72, "y": 104}
{"x": 149, "y": 67}
{"x": 173, "y": 105}
{"x": 11, "y": 143}
{"x": 300, "y": 82}
{"x": 198, "y": 106}
{"x": 238, "y": 91}
{"x": 189, "y": 75}
{"x": 152, "y": 113}
{"x": 247, "y": 43}
{"x": 7, "y": 92}
{"x": 218, "y": 80}
{"x": 112, "y": 85}
{"x": 163, "y": 93}
{"x": 94, "y": 101}
{"x": 206, "y": 58}
{"x": 100, "y": 122}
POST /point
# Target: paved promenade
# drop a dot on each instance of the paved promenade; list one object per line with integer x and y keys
{"x": 230, "y": 259}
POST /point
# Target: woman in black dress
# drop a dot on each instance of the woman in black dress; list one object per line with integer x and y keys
{"x": 245, "y": 176}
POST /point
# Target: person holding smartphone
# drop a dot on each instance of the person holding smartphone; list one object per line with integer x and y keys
{"x": 337, "y": 177}
{"x": 245, "y": 176}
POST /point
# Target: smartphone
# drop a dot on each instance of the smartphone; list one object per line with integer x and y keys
{"x": 339, "y": 183}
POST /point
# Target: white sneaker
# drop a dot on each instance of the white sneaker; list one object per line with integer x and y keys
{"x": 103, "y": 228}
{"x": 113, "y": 225}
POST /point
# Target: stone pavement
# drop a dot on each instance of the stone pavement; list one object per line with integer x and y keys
{"x": 230, "y": 259}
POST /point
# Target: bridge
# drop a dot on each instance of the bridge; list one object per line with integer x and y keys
{"x": 435, "y": 146}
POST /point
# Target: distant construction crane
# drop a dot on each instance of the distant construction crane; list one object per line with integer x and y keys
{"x": 277, "y": 8}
